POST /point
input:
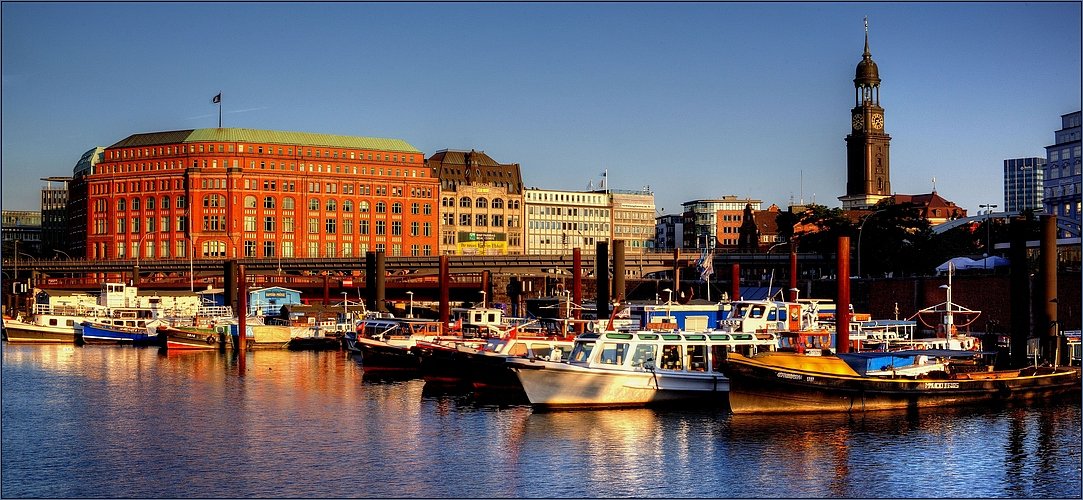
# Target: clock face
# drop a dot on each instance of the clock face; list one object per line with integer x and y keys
{"x": 858, "y": 121}
{"x": 877, "y": 121}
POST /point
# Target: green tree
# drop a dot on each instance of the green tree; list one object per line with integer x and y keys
{"x": 894, "y": 239}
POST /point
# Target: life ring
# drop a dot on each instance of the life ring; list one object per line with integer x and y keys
{"x": 210, "y": 340}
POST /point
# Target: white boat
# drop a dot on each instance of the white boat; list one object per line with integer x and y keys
{"x": 47, "y": 325}
{"x": 615, "y": 369}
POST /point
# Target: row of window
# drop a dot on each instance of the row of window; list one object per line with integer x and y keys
{"x": 121, "y": 154}
{"x": 218, "y": 248}
{"x": 481, "y": 220}
{"x": 480, "y": 202}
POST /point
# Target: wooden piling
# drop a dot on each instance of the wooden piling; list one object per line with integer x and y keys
{"x": 842, "y": 307}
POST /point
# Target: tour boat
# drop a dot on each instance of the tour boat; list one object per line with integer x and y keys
{"x": 53, "y": 327}
{"x": 135, "y": 331}
{"x": 614, "y": 369}
{"x": 778, "y": 382}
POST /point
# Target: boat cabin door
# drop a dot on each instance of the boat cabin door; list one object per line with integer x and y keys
{"x": 793, "y": 317}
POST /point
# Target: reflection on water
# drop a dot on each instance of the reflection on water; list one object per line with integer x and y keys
{"x": 106, "y": 421}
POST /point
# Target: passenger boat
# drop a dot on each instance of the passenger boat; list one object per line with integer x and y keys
{"x": 444, "y": 360}
{"x": 615, "y": 369}
{"x": 135, "y": 331}
{"x": 779, "y": 382}
{"x": 46, "y": 326}
{"x": 487, "y": 367}
{"x": 386, "y": 343}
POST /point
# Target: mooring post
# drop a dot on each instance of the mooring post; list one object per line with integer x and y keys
{"x": 735, "y": 278}
{"x": 793, "y": 274}
{"x": 445, "y": 292}
{"x": 242, "y": 315}
{"x": 842, "y": 307}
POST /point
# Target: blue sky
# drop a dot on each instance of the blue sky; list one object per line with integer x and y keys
{"x": 694, "y": 100}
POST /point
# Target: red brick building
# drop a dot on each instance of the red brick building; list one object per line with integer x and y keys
{"x": 236, "y": 193}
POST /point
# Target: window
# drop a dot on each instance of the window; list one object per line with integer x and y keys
{"x": 314, "y": 204}
{"x": 120, "y": 205}
{"x": 415, "y": 208}
{"x": 165, "y": 202}
{"x": 313, "y": 225}
{"x": 481, "y": 220}
{"x": 330, "y": 225}
{"x": 287, "y": 203}
{"x": 381, "y": 228}
{"x": 396, "y": 228}
{"x": 268, "y": 249}
{"x": 396, "y": 208}
{"x": 347, "y": 206}
{"x": 381, "y": 207}
{"x": 214, "y": 201}
{"x": 269, "y": 224}
{"x": 135, "y": 203}
{"x": 249, "y": 249}
{"x": 363, "y": 207}
{"x": 482, "y": 203}
{"x": 287, "y": 224}
{"x": 331, "y": 204}
{"x": 464, "y": 219}
{"x": 249, "y": 201}
{"x": 250, "y": 223}
{"x": 363, "y": 227}
{"x": 269, "y": 202}
{"x": 464, "y": 202}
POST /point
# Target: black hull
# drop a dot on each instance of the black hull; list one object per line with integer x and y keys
{"x": 387, "y": 358}
{"x": 764, "y": 389}
{"x": 491, "y": 374}
{"x": 443, "y": 366}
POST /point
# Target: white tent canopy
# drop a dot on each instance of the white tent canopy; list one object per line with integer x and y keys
{"x": 964, "y": 263}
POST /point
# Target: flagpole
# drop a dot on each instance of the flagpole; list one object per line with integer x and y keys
{"x": 219, "y": 109}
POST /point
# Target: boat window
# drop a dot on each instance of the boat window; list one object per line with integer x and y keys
{"x": 772, "y": 314}
{"x": 697, "y": 358}
{"x": 540, "y": 350}
{"x": 671, "y": 357}
{"x": 517, "y": 349}
{"x": 718, "y": 355}
{"x": 52, "y": 322}
{"x": 644, "y": 353}
{"x": 581, "y": 352}
{"x": 756, "y": 311}
{"x": 739, "y": 311}
{"x": 613, "y": 353}
{"x": 69, "y": 323}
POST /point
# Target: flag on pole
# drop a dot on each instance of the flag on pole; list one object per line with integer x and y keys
{"x": 707, "y": 266}
{"x": 217, "y": 99}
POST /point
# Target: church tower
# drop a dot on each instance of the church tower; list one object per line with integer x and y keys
{"x": 868, "y": 166}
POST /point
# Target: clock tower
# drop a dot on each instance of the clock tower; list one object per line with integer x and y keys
{"x": 868, "y": 172}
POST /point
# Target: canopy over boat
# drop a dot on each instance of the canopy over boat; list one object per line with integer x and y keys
{"x": 864, "y": 362}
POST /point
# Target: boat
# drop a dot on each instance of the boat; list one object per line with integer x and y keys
{"x": 134, "y": 331}
{"x": 385, "y": 343}
{"x": 487, "y": 368}
{"x": 779, "y": 382}
{"x": 190, "y": 337}
{"x": 620, "y": 369}
{"x": 444, "y": 359}
{"x": 45, "y": 326}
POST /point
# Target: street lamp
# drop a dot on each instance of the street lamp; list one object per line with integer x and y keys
{"x": 410, "y": 312}
{"x": 859, "y": 231}
{"x": 482, "y": 298}
{"x": 63, "y": 252}
{"x": 669, "y": 295}
{"x": 988, "y": 231}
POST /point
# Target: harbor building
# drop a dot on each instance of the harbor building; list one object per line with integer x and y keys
{"x": 633, "y": 219}
{"x": 556, "y": 221}
{"x": 20, "y": 231}
{"x": 669, "y": 232}
{"x": 54, "y": 217}
{"x": 481, "y": 203}
{"x": 237, "y": 193}
{"x": 1062, "y": 177}
{"x": 711, "y": 223}
{"x": 868, "y": 159}
{"x": 1023, "y": 179}
{"x": 77, "y": 201}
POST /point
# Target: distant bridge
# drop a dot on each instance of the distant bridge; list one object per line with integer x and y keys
{"x": 1063, "y": 224}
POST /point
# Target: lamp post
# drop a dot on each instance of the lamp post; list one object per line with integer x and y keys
{"x": 859, "y": 231}
{"x": 410, "y": 311}
{"x": 63, "y": 252}
{"x": 345, "y": 310}
{"x": 988, "y": 231}
{"x": 482, "y": 298}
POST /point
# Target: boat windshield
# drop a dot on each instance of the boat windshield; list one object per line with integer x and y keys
{"x": 581, "y": 352}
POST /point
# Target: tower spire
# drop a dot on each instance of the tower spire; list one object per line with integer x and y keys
{"x": 867, "y": 36}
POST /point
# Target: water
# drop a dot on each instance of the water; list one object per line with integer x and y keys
{"x": 105, "y": 422}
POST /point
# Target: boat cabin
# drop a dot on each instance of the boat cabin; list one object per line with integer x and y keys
{"x": 689, "y": 352}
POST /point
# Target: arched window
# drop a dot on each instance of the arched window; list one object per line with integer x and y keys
{"x": 481, "y": 203}
{"x": 347, "y": 205}
{"x": 396, "y": 208}
{"x": 135, "y": 203}
{"x": 214, "y": 248}
{"x": 214, "y": 201}
{"x": 165, "y": 202}
{"x": 149, "y": 204}
{"x": 363, "y": 207}
{"x": 269, "y": 202}
{"x": 287, "y": 203}
{"x": 120, "y": 205}
{"x": 249, "y": 201}
{"x": 380, "y": 207}
{"x": 464, "y": 202}
{"x": 314, "y": 204}
{"x": 498, "y": 203}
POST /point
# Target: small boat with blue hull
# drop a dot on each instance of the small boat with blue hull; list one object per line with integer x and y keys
{"x": 121, "y": 331}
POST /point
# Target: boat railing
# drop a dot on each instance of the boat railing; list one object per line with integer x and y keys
{"x": 69, "y": 310}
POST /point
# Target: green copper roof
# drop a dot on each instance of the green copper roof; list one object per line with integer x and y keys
{"x": 255, "y": 136}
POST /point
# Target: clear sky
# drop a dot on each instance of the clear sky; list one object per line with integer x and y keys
{"x": 694, "y": 100}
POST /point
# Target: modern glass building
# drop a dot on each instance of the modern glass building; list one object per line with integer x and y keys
{"x": 1023, "y": 183}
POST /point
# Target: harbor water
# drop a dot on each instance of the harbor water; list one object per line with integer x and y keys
{"x": 122, "y": 422}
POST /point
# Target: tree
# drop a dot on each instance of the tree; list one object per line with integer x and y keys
{"x": 895, "y": 239}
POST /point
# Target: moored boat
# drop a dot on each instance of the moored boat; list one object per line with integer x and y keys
{"x": 190, "y": 337}
{"x": 615, "y": 369}
{"x": 44, "y": 328}
{"x": 386, "y": 343}
{"x": 794, "y": 383}
{"x": 134, "y": 331}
